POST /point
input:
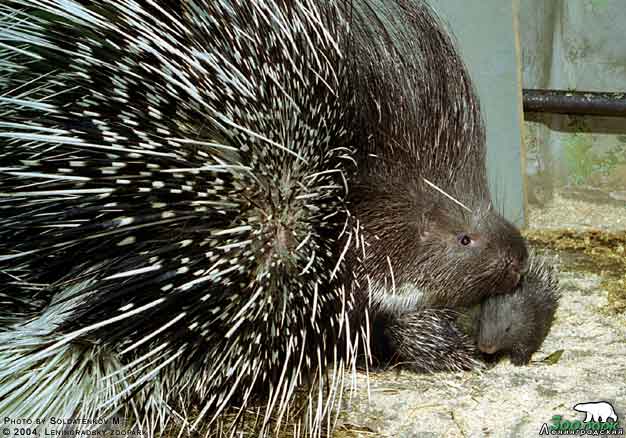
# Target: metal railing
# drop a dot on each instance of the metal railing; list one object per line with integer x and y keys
{"x": 575, "y": 102}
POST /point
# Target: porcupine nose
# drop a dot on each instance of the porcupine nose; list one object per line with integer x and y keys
{"x": 487, "y": 348}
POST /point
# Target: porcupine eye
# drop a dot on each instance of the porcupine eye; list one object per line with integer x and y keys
{"x": 464, "y": 239}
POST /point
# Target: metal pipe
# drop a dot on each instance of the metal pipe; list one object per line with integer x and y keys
{"x": 575, "y": 102}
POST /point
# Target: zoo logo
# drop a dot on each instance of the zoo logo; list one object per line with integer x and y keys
{"x": 596, "y": 421}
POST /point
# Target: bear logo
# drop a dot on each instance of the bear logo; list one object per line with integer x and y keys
{"x": 597, "y": 411}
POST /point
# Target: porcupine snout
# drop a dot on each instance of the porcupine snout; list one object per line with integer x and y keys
{"x": 489, "y": 330}
{"x": 487, "y": 347}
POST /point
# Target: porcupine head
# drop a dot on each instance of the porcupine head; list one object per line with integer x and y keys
{"x": 517, "y": 323}
{"x": 448, "y": 256}
{"x": 508, "y": 324}
{"x": 432, "y": 234}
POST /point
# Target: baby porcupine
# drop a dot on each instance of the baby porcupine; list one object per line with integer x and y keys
{"x": 514, "y": 323}
{"x": 518, "y": 322}
{"x": 180, "y": 201}
{"x": 423, "y": 340}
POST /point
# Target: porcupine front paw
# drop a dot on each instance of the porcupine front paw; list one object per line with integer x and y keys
{"x": 426, "y": 340}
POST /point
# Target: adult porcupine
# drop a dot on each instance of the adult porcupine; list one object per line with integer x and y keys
{"x": 421, "y": 144}
{"x": 517, "y": 323}
{"x": 174, "y": 181}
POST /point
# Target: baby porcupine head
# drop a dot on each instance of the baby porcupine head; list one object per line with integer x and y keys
{"x": 518, "y": 322}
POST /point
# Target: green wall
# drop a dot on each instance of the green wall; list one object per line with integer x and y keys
{"x": 484, "y": 31}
